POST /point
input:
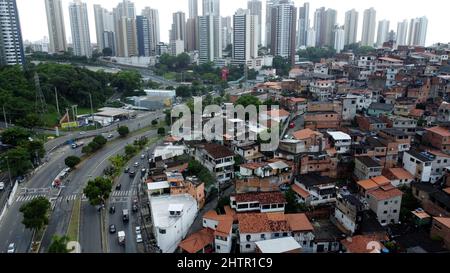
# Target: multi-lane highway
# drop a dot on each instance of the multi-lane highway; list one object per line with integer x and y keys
{"x": 11, "y": 229}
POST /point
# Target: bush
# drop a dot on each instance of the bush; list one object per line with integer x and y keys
{"x": 155, "y": 122}
{"x": 123, "y": 131}
{"x": 72, "y": 161}
{"x": 161, "y": 131}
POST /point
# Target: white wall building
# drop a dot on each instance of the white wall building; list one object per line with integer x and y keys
{"x": 369, "y": 24}
{"x": 339, "y": 39}
{"x": 172, "y": 216}
{"x": 55, "y": 23}
{"x": 351, "y": 27}
{"x": 383, "y": 32}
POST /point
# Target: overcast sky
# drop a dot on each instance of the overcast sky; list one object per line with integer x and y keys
{"x": 34, "y": 22}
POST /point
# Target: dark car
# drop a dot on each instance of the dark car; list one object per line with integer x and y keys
{"x": 112, "y": 229}
{"x": 135, "y": 208}
{"x": 127, "y": 170}
{"x": 112, "y": 210}
{"x": 118, "y": 187}
{"x": 132, "y": 173}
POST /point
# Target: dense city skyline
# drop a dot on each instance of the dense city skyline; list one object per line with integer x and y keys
{"x": 34, "y": 24}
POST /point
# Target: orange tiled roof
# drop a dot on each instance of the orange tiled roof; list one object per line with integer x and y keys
{"x": 386, "y": 193}
{"x": 224, "y": 226}
{"x": 300, "y": 191}
{"x": 278, "y": 113}
{"x": 367, "y": 184}
{"x": 299, "y": 222}
{"x": 198, "y": 241}
{"x": 443, "y": 220}
{"x": 263, "y": 198}
{"x": 439, "y": 131}
{"x": 400, "y": 173}
{"x": 260, "y": 222}
{"x": 305, "y": 134}
{"x": 381, "y": 180}
{"x": 297, "y": 99}
{"x": 359, "y": 244}
{"x": 416, "y": 112}
{"x": 253, "y": 166}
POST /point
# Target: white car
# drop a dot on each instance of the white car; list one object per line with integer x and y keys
{"x": 138, "y": 230}
{"x": 110, "y": 136}
{"x": 136, "y": 164}
{"x": 142, "y": 156}
{"x": 11, "y": 248}
{"x": 139, "y": 238}
{"x": 2, "y": 186}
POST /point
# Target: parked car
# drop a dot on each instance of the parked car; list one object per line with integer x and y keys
{"x": 118, "y": 187}
{"x": 112, "y": 210}
{"x": 82, "y": 133}
{"x": 142, "y": 156}
{"x": 112, "y": 229}
{"x": 138, "y": 230}
{"x": 139, "y": 238}
{"x": 110, "y": 136}
{"x": 135, "y": 208}
{"x": 284, "y": 187}
{"x": 136, "y": 164}
{"x": 12, "y": 248}
{"x": 127, "y": 170}
{"x": 2, "y": 186}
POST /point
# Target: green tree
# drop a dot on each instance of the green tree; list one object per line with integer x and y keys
{"x": 35, "y": 213}
{"x": 19, "y": 161}
{"x": 154, "y": 122}
{"x": 291, "y": 200}
{"x": 72, "y": 161}
{"x": 123, "y": 131}
{"x": 129, "y": 83}
{"x": 100, "y": 140}
{"x": 282, "y": 66}
{"x": 15, "y": 135}
{"x": 130, "y": 151}
{"x": 98, "y": 190}
{"x": 161, "y": 131}
{"x": 247, "y": 100}
{"x": 59, "y": 244}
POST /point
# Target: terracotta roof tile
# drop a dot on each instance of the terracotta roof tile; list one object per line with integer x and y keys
{"x": 359, "y": 244}
{"x": 263, "y": 198}
{"x": 386, "y": 193}
{"x": 439, "y": 131}
{"x": 305, "y": 134}
{"x": 260, "y": 222}
{"x": 400, "y": 173}
{"x": 443, "y": 220}
{"x": 304, "y": 194}
{"x": 198, "y": 241}
{"x": 218, "y": 151}
{"x": 299, "y": 222}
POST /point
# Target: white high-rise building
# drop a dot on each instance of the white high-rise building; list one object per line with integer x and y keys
{"x": 245, "y": 36}
{"x": 303, "y": 25}
{"x": 351, "y": 27}
{"x": 56, "y": 26}
{"x": 368, "y": 31}
{"x": 383, "y": 32}
{"x": 79, "y": 24}
{"x": 402, "y": 32}
{"x": 210, "y": 38}
{"x": 125, "y": 29}
{"x": 284, "y": 25}
{"x": 11, "y": 44}
{"x": 193, "y": 8}
{"x": 104, "y": 22}
{"x": 310, "y": 38}
{"x": 339, "y": 39}
{"x": 418, "y": 31}
{"x": 211, "y": 7}
{"x": 227, "y": 31}
{"x": 255, "y": 7}
{"x": 153, "y": 19}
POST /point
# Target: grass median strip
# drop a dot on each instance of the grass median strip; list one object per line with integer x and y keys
{"x": 74, "y": 225}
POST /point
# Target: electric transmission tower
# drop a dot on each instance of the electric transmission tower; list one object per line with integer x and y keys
{"x": 40, "y": 106}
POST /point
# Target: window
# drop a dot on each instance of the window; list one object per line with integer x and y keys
{"x": 162, "y": 231}
{"x": 385, "y": 202}
{"x": 394, "y": 211}
{"x": 218, "y": 247}
{"x": 385, "y": 212}
{"x": 277, "y": 235}
{"x": 285, "y": 234}
{"x": 248, "y": 237}
{"x": 247, "y": 246}
{"x": 263, "y": 236}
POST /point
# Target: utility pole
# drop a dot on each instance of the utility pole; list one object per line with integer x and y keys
{"x": 68, "y": 118}
{"x": 92, "y": 111}
{"x": 57, "y": 103}
{"x": 4, "y": 116}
